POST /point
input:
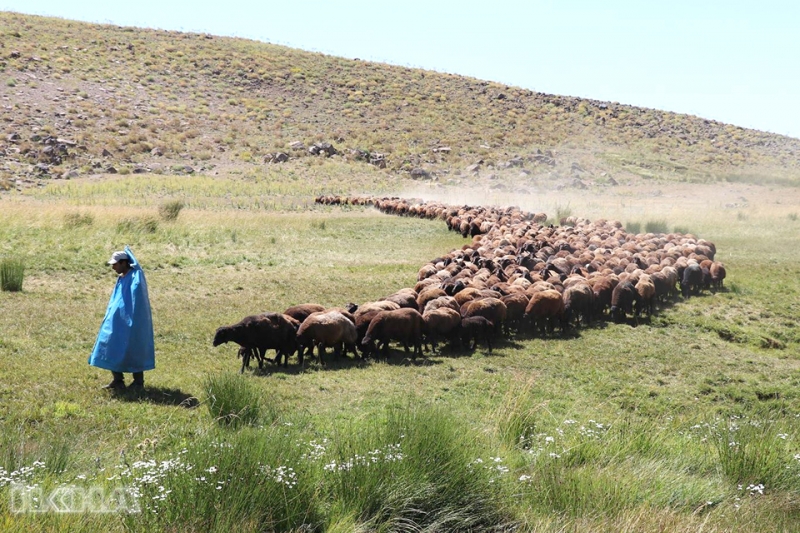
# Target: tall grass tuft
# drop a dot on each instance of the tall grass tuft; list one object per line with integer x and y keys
{"x": 562, "y": 213}
{"x": 169, "y": 211}
{"x": 12, "y": 273}
{"x": 516, "y": 418}
{"x": 256, "y": 479}
{"x": 415, "y": 469}
{"x": 684, "y": 230}
{"x": 145, "y": 224}
{"x": 633, "y": 227}
{"x": 753, "y": 452}
{"x": 656, "y": 226}
{"x": 407, "y": 469}
{"x": 76, "y": 220}
{"x": 232, "y": 400}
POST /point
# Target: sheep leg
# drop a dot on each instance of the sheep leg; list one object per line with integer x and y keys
{"x": 245, "y": 354}
{"x": 321, "y": 350}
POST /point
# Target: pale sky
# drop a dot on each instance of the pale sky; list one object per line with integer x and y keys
{"x": 729, "y": 60}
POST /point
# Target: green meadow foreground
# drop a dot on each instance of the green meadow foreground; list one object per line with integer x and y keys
{"x": 686, "y": 422}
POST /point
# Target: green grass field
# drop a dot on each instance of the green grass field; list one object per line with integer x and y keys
{"x": 684, "y": 423}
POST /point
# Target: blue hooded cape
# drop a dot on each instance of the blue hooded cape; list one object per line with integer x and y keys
{"x": 125, "y": 342}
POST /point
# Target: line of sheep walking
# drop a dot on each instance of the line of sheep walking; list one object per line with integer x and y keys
{"x": 516, "y": 275}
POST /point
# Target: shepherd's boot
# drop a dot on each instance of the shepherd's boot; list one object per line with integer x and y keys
{"x": 138, "y": 381}
{"x": 117, "y": 383}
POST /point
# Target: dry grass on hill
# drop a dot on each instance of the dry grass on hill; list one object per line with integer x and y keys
{"x": 84, "y": 98}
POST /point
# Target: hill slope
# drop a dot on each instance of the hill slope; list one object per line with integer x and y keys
{"x": 82, "y": 98}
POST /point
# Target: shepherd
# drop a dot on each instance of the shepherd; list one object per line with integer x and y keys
{"x": 125, "y": 341}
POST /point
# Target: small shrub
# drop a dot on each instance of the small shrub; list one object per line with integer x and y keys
{"x": 170, "y": 210}
{"x": 12, "y": 272}
{"x": 75, "y": 220}
{"x": 682, "y": 229}
{"x": 656, "y": 226}
{"x": 753, "y": 452}
{"x": 318, "y": 224}
{"x": 232, "y": 400}
{"x": 11, "y": 82}
{"x": 633, "y": 227}
{"x": 741, "y": 216}
{"x": 146, "y": 224}
{"x": 793, "y": 216}
{"x": 563, "y": 212}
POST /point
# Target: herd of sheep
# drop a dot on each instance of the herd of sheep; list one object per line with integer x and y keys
{"x": 517, "y": 274}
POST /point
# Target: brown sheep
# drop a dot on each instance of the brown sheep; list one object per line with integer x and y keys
{"x": 718, "y": 274}
{"x": 404, "y": 325}
{"x": 404, "y": 298}
{"x": 661, "y": 282}
{"x": 427, "y": 295}
{"x": 381, "y": 305}
{"x": 443, "y": 322}
{"x": 493, "y": 309}
{"x": 258, "y": 333}
{"x": 426, "y": 271}
{"x": 578, "y": 303}
{"x": 603, "y": 288}
{"x": 468, "y": 294}
{"x": 441, "y": 301}
{"x": 545, "y": 310}
{"x": 328, "y": 328}
{"x": 647, "y": 294}
{"x": 301, "y": 312}
{"x": 516, "y": 303}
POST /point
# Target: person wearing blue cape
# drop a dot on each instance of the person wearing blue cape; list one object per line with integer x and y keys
{"x": 125, "y": 341}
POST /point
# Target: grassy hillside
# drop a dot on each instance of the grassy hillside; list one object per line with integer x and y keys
{"x": 137, "y": 100}
{"x": 683, "y": 423}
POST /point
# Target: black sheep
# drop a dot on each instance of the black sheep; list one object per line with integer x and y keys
{"x": 623, "y": 299}
{"x": 256, "y": 334}
{"x": 473, "y": 328}
{"x": 692, "y": 280}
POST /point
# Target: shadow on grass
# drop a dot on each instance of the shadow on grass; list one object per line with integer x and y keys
{"x": 158, "y": 395}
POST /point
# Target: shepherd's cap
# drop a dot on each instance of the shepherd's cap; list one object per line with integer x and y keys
{"x": 118, "y": 256}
